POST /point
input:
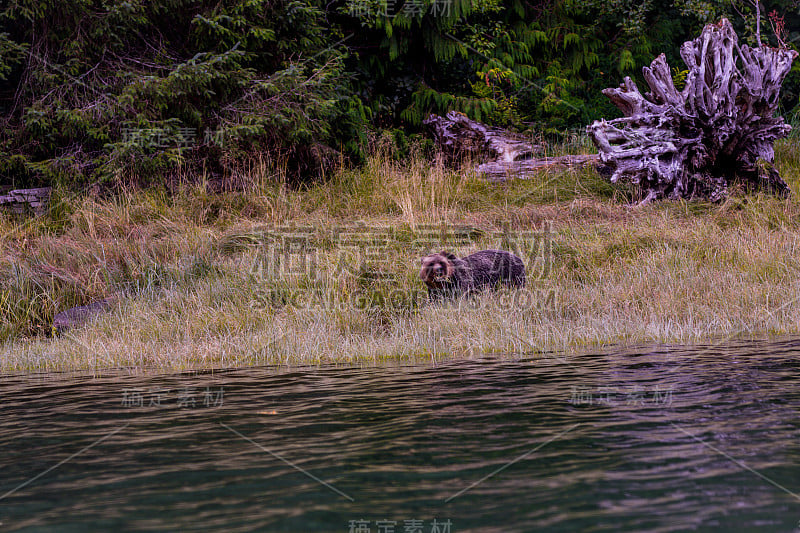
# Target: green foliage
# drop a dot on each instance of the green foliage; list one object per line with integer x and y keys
{"x": 144, "y": 91}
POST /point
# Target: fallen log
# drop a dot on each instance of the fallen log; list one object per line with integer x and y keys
{"x": 502, "y": 170}
{"x": 19, "y": 200}
{"x": 505, "y": 154}
{"x": 717, "y": 131}
{"x": 77, "y": 316}
{"x": 459, "y": 137}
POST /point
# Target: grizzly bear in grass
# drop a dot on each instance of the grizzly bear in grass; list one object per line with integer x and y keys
{"x": 448, "y": 276}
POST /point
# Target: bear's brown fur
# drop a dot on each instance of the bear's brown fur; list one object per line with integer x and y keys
{"x": 447, "y": 275}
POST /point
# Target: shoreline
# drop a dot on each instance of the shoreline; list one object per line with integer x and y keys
{"x": 707, "y": 345}
{"x": 563, "y": 358}
{"x": 195, "y": 263}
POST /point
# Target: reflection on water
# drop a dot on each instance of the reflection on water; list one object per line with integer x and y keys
{"x": 655, "y": 439}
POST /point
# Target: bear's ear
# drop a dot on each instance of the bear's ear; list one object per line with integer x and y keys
{"x": 449, "y": 255}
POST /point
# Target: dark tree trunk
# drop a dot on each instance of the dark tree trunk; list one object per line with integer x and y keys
{"x": 719, "y": 129}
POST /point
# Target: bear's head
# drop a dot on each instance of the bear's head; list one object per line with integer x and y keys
{"x": 437, "y": 269}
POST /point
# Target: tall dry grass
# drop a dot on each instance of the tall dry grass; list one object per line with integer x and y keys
{"x": 673, "y": 272}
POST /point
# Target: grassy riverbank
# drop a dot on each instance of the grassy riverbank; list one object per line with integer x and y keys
{"x": 205, "y": 289}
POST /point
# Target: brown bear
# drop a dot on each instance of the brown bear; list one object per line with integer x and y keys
{"x": 448, "y": 276}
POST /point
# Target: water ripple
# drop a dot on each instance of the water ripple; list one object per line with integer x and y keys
{"x": 650, "y": 439}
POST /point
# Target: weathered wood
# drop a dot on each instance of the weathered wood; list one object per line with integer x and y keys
{"x": 718, "y": 130}
{"x": 77, "y": 316}
{"x": 18, "y": 199}
{"x": 505, "y": 154}
{"x": 501, "y": 170}
{"x": 460, "y": 137}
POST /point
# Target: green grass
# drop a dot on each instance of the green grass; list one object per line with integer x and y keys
{"x": 676, "y": 272}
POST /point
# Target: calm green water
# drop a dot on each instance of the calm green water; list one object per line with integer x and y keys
{"x": 656, "y": 439}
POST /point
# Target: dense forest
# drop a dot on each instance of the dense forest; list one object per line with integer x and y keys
{"x": 106, "y": 91}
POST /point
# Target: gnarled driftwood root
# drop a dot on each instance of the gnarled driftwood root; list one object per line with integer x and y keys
{"x": 720, "y": 128}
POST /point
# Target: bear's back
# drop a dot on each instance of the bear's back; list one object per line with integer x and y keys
{"x": 492, "y": 267}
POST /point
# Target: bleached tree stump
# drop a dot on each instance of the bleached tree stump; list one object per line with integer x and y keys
{"x": 718, "y": 130}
